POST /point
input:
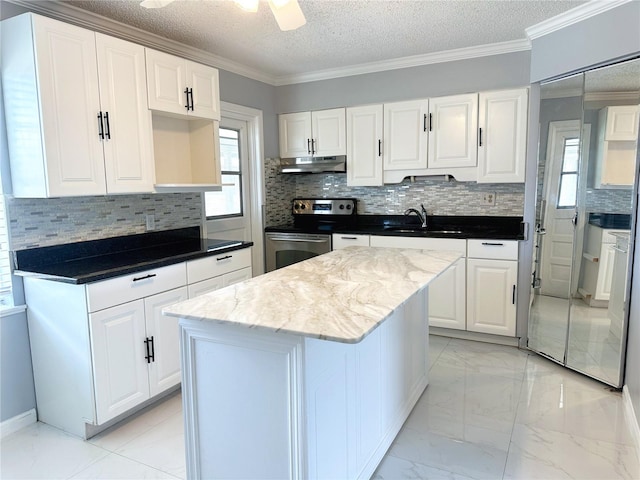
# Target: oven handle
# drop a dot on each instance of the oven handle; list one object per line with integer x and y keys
{"x": 283, "y": 239}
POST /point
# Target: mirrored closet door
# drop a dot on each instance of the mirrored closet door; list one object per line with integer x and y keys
{"x": 587, "y": 176}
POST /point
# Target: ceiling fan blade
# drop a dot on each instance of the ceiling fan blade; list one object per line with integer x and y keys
{"x": 155, "y": 3}
{"x": 288, "y": 14}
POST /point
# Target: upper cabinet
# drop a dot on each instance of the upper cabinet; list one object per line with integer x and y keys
{"x": 364, "y": 145}
{"x": 320, "y": 133}
{"x": 405, "y": 135}
{"x": 502, "y": 136}
{"x": 183, "y": 87}
{"x": 453, "y": 131}
{"x": 617, "y": 146}
{"x": 75, "y": 108}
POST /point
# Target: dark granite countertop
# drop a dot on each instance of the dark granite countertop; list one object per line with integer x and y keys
{"x": 93, "y": 260}
{"x": 620, "y": 221}
{"x": 485, "y": 227}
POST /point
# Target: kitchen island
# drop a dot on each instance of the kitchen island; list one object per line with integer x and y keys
{"x": 308, "y": 371}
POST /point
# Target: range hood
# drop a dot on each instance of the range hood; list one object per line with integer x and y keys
{"x": 336, "y": 164}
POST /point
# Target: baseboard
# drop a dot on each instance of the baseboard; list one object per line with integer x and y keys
{"x": 475, "y": 336}
{"x": 18, "y": 422}
{"x": 632, "y": 418}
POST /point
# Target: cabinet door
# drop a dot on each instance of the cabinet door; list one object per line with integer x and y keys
{"x": 236, "y": 277}
{"x": 405, "y": 135}
{"x": 205, "y": 286}
{"x": 166, "y": 77}
{"x": 491, "y": 296}
{"x": 453, "y": 131}
{"x": 128, "y": 148}
{"x": 447, "y": 304}
{"x": 364, "y": 146}
{"x": 622, "y": 123}
{"x": 205, "y": 84}
{"x": 164, "y": 369}
{"x": 295, "y": 134}
{"x": 502, "y": 138}
{"x": 120, "y": 378}
{"x": 328, "y": 132}
{"x": 605, "y": 272}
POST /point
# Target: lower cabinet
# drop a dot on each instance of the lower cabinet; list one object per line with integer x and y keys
{"x": 218, "y": 271}
{"x": 343, "y": 240}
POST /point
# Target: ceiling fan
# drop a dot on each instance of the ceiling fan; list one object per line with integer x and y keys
{"x": 286, "y": 12}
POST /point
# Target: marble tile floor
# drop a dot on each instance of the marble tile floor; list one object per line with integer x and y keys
{"x": 490, "y": 412}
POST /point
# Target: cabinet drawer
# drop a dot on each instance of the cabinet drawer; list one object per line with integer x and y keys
{"x": 215, "y": 265}
{"x": 126, "y": 288}
{"x": 451, "y": 244}
{"x": 493, "y": 249}
{"x": 343, "y": 240}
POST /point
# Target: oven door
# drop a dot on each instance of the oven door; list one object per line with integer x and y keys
{"x": 284, "y": 249}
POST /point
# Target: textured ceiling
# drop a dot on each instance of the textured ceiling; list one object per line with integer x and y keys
{"x": 338, "y": 33}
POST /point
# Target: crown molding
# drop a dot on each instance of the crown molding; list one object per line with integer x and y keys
{"x": 408, "y": 62}
{"x": 612, "y": 96}
{"x": 575, "y": 15}
{"x": 92, "y": 21}
{"x": 564, "y": 93}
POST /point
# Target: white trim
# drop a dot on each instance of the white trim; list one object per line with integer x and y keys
{"x": 408, "y": 62}
{"x": 9, "y": 311}
{"x": 575, "y": 15}
{"x": 18, "y": 422}
{"x": 611, "y": 96}
{"x": 564, "y": 93}
{"x": 632, "y": 418}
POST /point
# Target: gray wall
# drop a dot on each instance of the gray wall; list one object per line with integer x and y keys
{"x": 598, "y": 40}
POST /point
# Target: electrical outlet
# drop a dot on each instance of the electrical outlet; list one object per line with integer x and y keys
{"x": 151, "y": 222}
{"x": 488, "y": 198}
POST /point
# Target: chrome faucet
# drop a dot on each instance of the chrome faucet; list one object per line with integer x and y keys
{"x": 422, "y": 216}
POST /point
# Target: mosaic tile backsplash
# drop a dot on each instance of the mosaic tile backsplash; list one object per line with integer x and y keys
{"x": 53, "y": 221}
{"x": 439, "y": 196}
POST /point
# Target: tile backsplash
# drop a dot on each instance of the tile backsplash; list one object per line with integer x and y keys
{"x": 53, "y": 221}
{"x": 439, "y": 196}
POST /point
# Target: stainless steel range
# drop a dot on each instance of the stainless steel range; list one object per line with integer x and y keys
{"x": 310, "y": 234}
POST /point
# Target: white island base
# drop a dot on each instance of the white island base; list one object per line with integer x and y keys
{"x": 264, "y": 405}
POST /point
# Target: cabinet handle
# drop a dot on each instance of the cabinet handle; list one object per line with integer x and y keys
{"x": 309, "y": 146}
{"x": 107, "y": 128}
{"x": 379, "y": 148}
{"x": 153, "y": 349}
{"x": 137, "y": 279}
{"x": 617, "y": 249}
{"x": 100, "y": 126}
{"x": 313, "y": 146}
{"x": 480, "y": 137}
{"x": 192, "y": 102}
{"x": 224, "y": 258}
{"x": 424, "y": 123}
{"x": 147, "y": 357}
{"x": 186, "y": 94}
{"x": 492, "y": 244}
{"x": 513, "y": 296}
{"x": 430, "y": 122}
{"x": 349, "y": 238}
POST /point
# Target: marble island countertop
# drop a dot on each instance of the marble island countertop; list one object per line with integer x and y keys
{"x": 340, "y": 296}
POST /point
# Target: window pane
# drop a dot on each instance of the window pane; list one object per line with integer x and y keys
{"x": 226, "y": 202}
{"x": 229, "y": 151}
{"x": 570, "y": 155}
{"x": 568, "y": 190}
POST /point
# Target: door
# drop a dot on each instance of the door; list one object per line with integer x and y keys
{"x": 405, "y": 135}
{"x": 164, "y": 333}
{"x": 453, "y": 131}
{"x": 166, "y": 77}
{"x": 559, "y": 195}
{"x": 364, "y": 146}
{"x": 329, "y": 133}
{"x": 204, "y": 82}
{"x": 491, "y": 296}
{"x": 128, "y": 146}
{"x": 295, "y": 134}
{"x": 121, "y": 379}
{"x": 70, "y": 104}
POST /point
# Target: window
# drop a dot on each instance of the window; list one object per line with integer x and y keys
{"x": 569, "y": 174}
{"x": 228, "y": 202}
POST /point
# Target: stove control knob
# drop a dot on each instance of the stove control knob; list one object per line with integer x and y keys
{"x": 296, "y": 206}
{"x": 341, "y": 206}
{"x": 303, "y": 206}
{"x": 349, "y": 207}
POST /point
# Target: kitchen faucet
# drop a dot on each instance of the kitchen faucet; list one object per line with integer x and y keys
{"x": 422, "y": 216}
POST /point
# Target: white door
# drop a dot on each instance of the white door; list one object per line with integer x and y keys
{"x": 295, "y": 134}
{"x": 447, "y": 302}
{"x": 453, "y": 131}
{"x": 559, "y": 210}
{"x": 405, "y": 135}
{"x": 364, "y": 146}
{"x": 128, "y": 146}
{"x": 118, "y": 348}
{"x": 491, "y": 296}
{"x": 622, "y": 123}
{"x": 166, "y": 77}
{"x": 164, "y": 336}
{"x": 503, "y": 136}
{"x": 329, "y": 132}
{"x": 203, "y": 80}
{"x": 70, "y": 104}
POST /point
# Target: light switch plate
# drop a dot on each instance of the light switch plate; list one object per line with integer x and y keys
{"x": 151, "y": 222}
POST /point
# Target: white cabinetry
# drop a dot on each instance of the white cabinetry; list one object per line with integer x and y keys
{"x": 364, "y": 146}
{"x": 321, "y": 133}
{"x": 597, "y": 265}
{"x": 453, "y": 131}
{"x": 492, "y": 274}
{"x": 343, "y": 240}
{"x": 502, "y": 135}
{"x": 218, "y": 271}
{"x": 617, "y": 146}
{"x": 182, "y": 87}
{"x": 405, "y": 135}
{"x": 75, "y": 108}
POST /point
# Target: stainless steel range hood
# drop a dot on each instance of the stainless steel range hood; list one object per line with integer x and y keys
{"x": 337, "y": 164}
